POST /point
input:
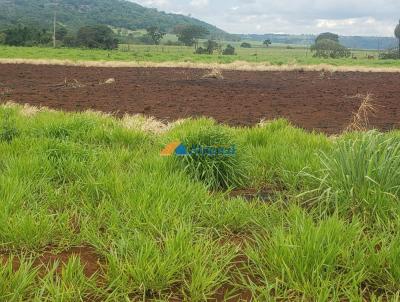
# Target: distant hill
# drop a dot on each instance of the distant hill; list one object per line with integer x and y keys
{"x": 355, "y": 42}
{"x": 76, "y": 13}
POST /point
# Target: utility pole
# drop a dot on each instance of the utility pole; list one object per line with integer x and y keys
{"x": 54, "y": 28}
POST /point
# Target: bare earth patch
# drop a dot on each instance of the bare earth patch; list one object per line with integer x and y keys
{"x": 244, "y": 98}
{"x": 87, "y": 255}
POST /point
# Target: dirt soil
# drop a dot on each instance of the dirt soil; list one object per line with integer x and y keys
{"x": 319, "y": 101}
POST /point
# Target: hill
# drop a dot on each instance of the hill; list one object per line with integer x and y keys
{"x": 355, "y": 42}
{"x": 76, "y": 13}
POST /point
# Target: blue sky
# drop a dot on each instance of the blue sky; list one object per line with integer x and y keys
{"x": 346, "y": 17}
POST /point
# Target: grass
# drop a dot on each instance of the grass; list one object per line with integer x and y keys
{"x": 162, "y": 232}
{"x": 276, "y": 56}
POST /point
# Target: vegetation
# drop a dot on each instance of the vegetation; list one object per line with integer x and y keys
{"x": 99, "y": 36}
{"x": 190, "y": 34}
{"x": 209, "y": 47}
{"x": 155, "y": 34}
{"x": 74, "y": 14}
{"x": 161, "y": 228}
{"x": 267, "y": 43}
{"x": 245, "y": 45}
{"x": 353, "y": 42}
{"x": 25, "y": 36}
{"x": 229, "y": 50}
{"x": 327, "y": 46}
{"x": 276, "y": 55}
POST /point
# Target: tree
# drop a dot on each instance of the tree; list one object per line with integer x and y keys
{"x": 26, "y": 36}
{"x": 155, "y": 34}
{"x": 327, "y": 48}
{"x": 61, "y": 32}
{"x": 245, "y": 45}
{"x": 397, "y": 34}
{"x": 189, "y": 34}
{"x": 229, "y": 50}
{"x": 267, "y": 43}
{"x": 327, "y": 36}
{"x": 211, "y": 46}
{"x": 96, "y": 36}
{"x": 2, "y": 38}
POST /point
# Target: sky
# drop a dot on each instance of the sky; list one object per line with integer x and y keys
{"x": 345, "y": 17}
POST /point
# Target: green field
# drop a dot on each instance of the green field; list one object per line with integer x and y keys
{"x": 276, "y": 55}
{"x": 325, "y": 228}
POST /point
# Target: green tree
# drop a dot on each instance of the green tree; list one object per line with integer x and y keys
{"x": 2, "y": 38}
{"x": 189, "y": 34}
{"x": 211, "y": 46}
{"x": 267, "y": 43}
{"x": 61, "y": 33}
{"x": 229, "y": 50}
{"x": 96, "y": 36}
{"x": 326, "y": 48}
{"x": 327, "y": 36}
{"x": 26, "y": 36}
{"x": 397, "y": 34}
{"x": 155, "y": 34}
{"x": 245, "y": 45}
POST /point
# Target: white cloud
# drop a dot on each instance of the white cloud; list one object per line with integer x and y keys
{"x": 199, "y": 3}
{"x": 346, "y": 17}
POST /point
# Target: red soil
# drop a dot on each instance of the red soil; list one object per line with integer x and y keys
{"x": 311, "y": 100}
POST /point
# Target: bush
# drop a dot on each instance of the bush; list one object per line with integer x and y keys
{"x": 391, "y": 54}
{"x": 201, "y": 51}
{"x": 229, "y": 50}
{"x": 245, "y": 45}
{"x": 362, "y": 175}
{"x": 216, "y": 171}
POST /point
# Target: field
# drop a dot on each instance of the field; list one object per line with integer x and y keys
{"x": 276, "y": 55}
{"x": 321, "y": 101}
{"x": 305, "y": 206}
{"x": 90, "y": 211}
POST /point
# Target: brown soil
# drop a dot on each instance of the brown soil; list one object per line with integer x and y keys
{"x": 87, "y": 255}
{"x": 312, "y": 100}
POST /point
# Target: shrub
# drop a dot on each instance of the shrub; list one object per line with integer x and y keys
{"x": 391, "y": 54}
{"x": 216, "y": 171}
{"x": 229, "y": 50}
{"x": 245, "y": 45}
{"x": 362, "y": 175}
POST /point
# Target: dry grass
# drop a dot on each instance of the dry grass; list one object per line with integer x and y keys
{"x": 144, "y": 123}
{"x": 360, "y": 118}
{"x": 73, "y": 83}
{"x": 214, "y": 74}
{"x": 107, "y": 82}
{"x": 238, "y": 65}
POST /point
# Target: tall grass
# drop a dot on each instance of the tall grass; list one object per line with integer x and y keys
{"x": 361, "y": 175}
{"x": 160, "y": 229}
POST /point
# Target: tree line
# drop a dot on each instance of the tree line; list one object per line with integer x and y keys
{"x": 101, "y": 36}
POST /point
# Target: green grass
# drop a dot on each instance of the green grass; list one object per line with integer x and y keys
{"x": 276, "y": 55}
{"x": 162, "y": 232}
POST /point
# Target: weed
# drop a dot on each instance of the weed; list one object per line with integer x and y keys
{"x": 360, "y": 119}
{"x": 8, "y": 129}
